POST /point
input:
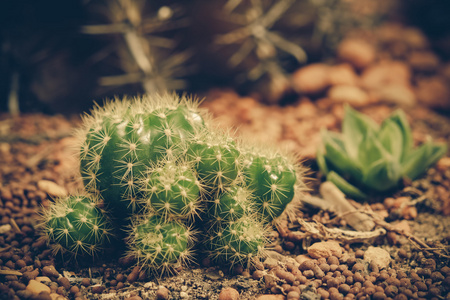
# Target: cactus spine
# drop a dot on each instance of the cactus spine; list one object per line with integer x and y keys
{"x": 121, "y": 140}
{"x": 173, "y": 190}
{"x": 157, "y": 161}
{"x": 216, "y": 159}
{"x": 77, "y": 225}
{"x": 237, "y": 242}
{"x": 273, "y": 179}
{"x": 160, "y": 245}
{"x": 234, "y": 203}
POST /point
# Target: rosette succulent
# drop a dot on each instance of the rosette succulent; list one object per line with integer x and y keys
{"x": 374, "y": 158}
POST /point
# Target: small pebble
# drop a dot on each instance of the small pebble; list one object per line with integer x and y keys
{"x": 229, "y": 293}
{"x": 86, "y": 282}
{"x": 162, "y": 293}
{"x": 97, "y": 289}
{"x": 36, "y": 287}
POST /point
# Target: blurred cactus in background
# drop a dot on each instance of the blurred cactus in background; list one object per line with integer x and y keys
{"x": 84, "y": 50}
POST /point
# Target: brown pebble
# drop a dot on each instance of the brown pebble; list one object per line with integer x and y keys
{"x": 162, "y": 293}
{"x": 306, "y": 265}
{"x": 293, "y": 295}
{"x": 379, "y": 296}
{"x": 437, "y": 276}
{"x": 421, "y": 286}
{"x": 358, "y": 267}
{"x": 133, "y": 276}
{"x": 359, "y": 253}
{"x": 333, "y": 260}
{"x": 135, "y": 297}
{"x": 120, "y": 277}
{"x": 50, "y": 271}
{"x": 336, "y": 296}
{"x": 258, "y": 274}
{"x": 16, "y": 285}
{"x": 97, "y": 289}
{"x": 120, "y": 285}
{"x": 27, "y": 276}
{"x": 24, "y": 294}
{"x": 86, "y": 282}
{"x": 43, "y": 296}
{"x": 391, "y": 291}
{"x": 74, "y": 289}
{"x": 228, "y": 293}
{"x": 64, "y": 282}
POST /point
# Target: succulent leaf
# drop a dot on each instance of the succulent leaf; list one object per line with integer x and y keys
{"x": 372, "y": 157}
{"x": 399, "y": 118}
{"x": 354, "y": 127}
{"x": 382, "y": 175}
{"x": 391, "y": 137}
{"x": 337, "y": 157}
{"x": 345, "y": 186}
{"x": 418, "y": 160}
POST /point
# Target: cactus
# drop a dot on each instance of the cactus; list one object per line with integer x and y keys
{"x": 172, "y": 190}
{"x": 215, "y": 158}
{"x": 160, "y": 245}
{"x": 234, "y": 203}
{"x": 156, "y": 162}
{"x": 121, "y": 140}
{"x": 77, "y": 225}
{"x": 272, "y": 178}
{"x": 238, "y": 242}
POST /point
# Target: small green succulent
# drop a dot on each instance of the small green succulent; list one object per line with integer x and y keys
{"x": 371, "y": 157}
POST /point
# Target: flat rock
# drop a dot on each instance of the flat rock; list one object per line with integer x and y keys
{"x": 271, "y": 297}
{"x": 56, "y": 296}
{"x": 378, "y": 256}
{"x": 325, "y": 249}
{"x": 352, "y": 95}
{"x": 36, "y": 287}
{"x": 52, "y": 188}
{"x": 311, "y": 79}
{"x": 229, "y": 293}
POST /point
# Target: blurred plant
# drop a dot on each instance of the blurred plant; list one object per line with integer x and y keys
{"x": 375, "y": 158}
{"x": 254, "y": 40}
{"x": 140, "y": 49}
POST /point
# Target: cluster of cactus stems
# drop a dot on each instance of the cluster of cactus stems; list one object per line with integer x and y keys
{"x": 165, "y": 174}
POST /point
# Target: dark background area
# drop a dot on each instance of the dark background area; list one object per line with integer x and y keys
{"x": 54, "y": 67}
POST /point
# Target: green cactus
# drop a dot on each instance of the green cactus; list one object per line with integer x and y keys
{"x": 215, "y": 158}
{"x": 239, "y": 242}
{"x": 172, "y": 190}
{"x": 160, "y": 245}
{"x": 121, "y": 140}
{"x": 77, "y": 225}
{"x": 272, "y": 178}
{"x": 234, "y": 203}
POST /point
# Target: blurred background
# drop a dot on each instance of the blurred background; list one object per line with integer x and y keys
{"x": 60, "y": 56}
